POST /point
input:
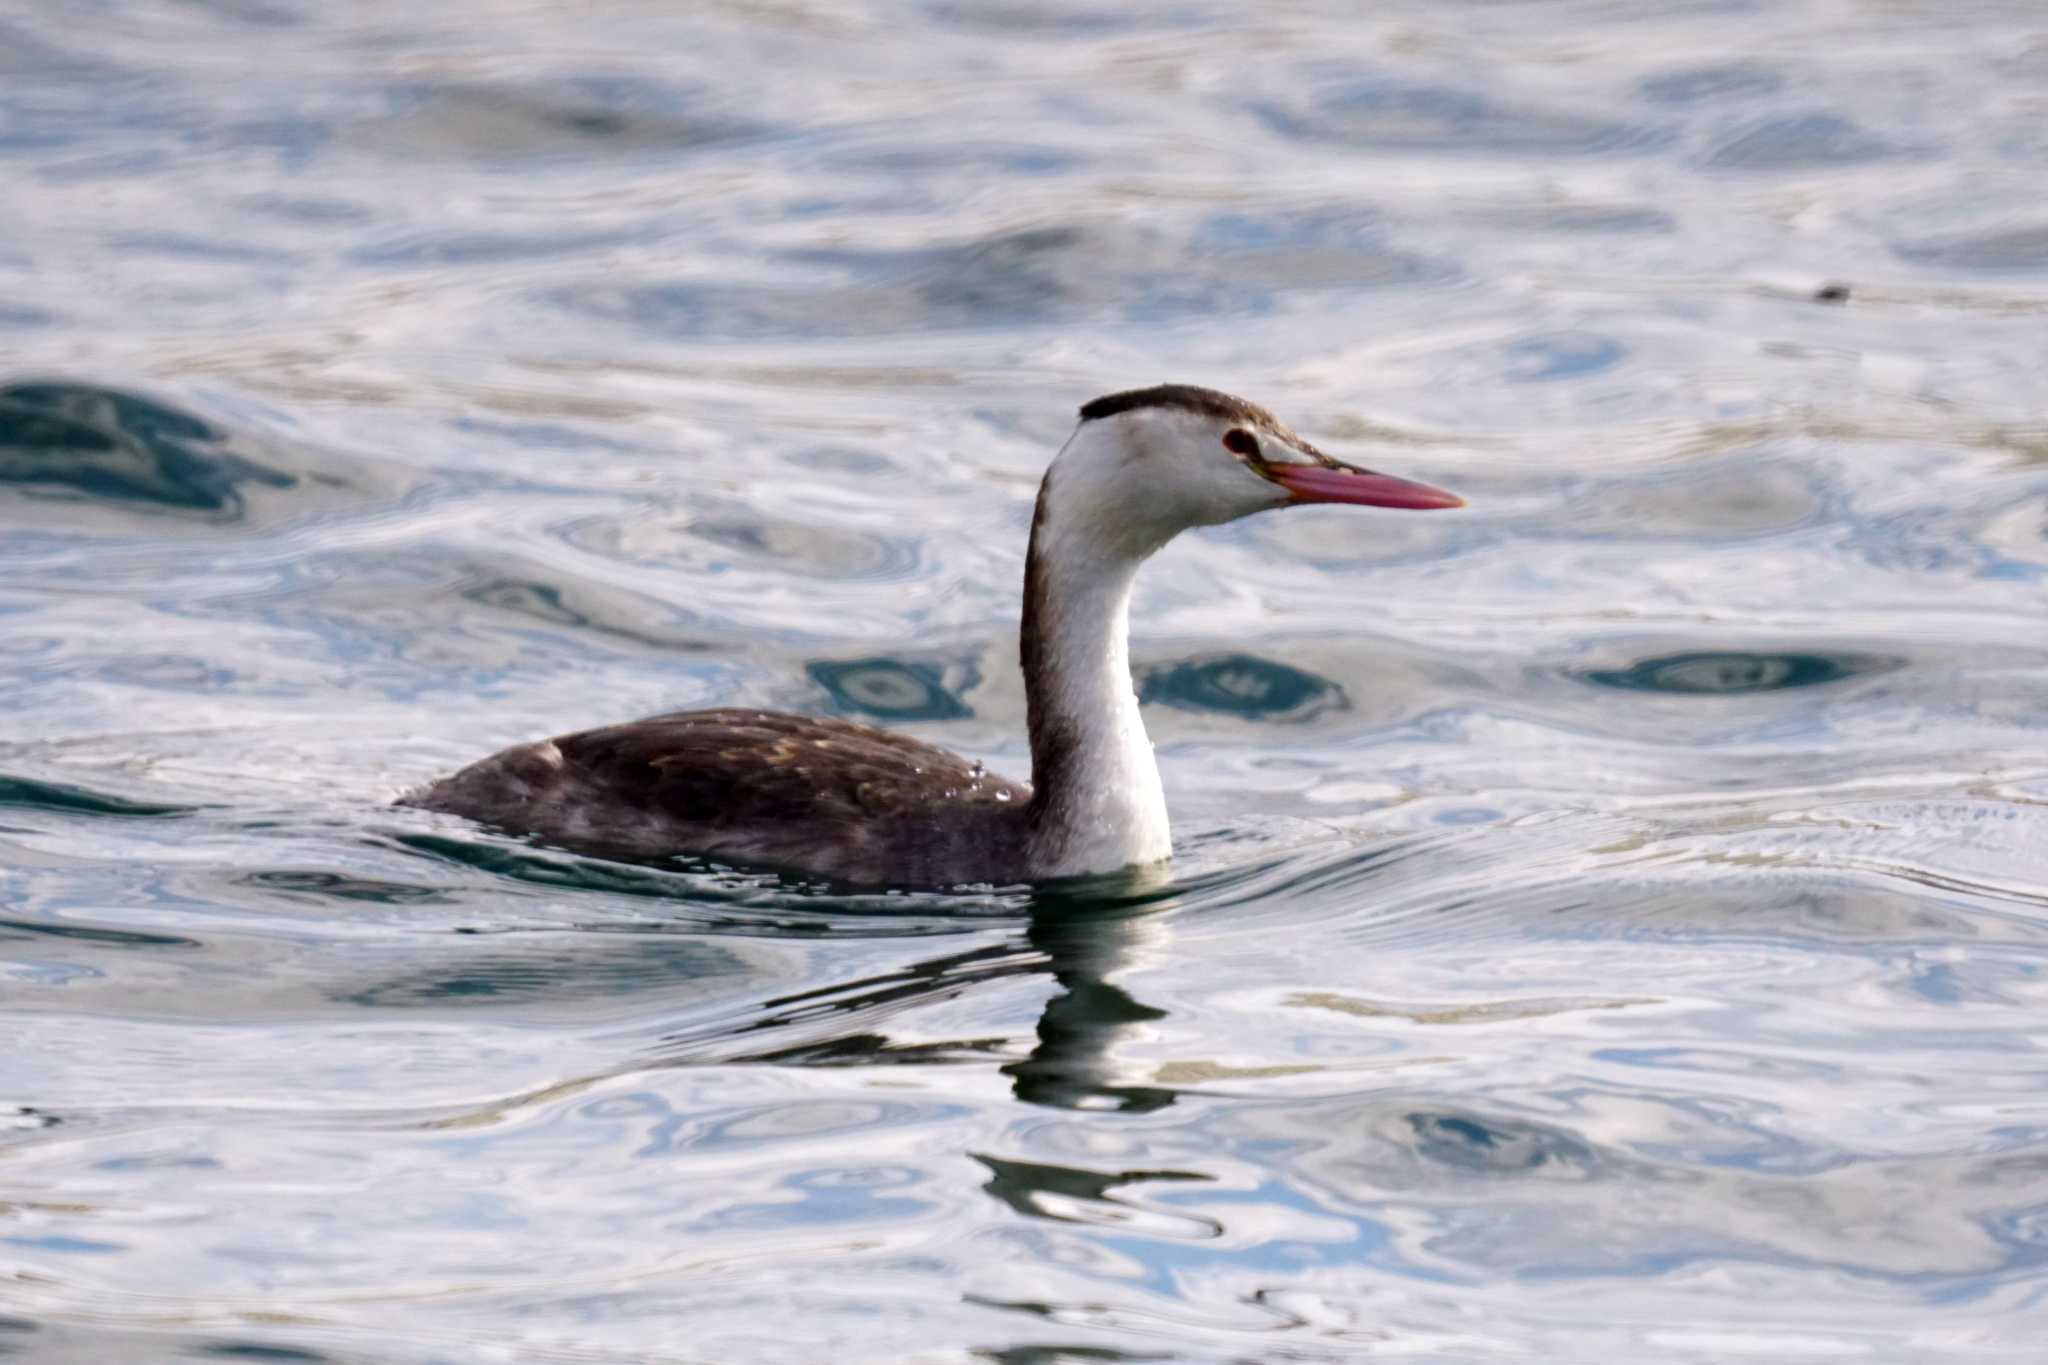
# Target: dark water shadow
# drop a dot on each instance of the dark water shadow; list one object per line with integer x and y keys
{"x": 1241, "y": 685}
{"x": 20, "y": 929}
{"x": 29, "y": 793}
{"x": 1736, "y": 672}
{"x": 87, "y": 442}
{"x": 256, "y": 1350}
{"x": 896, "y": 689}
{"x": 1053, "y": 1355}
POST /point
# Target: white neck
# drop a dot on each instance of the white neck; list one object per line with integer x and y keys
{"x": 1098, "y": 804}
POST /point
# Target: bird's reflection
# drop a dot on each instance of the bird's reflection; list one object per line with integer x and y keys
{"x": 1075, "y": 1063}
{"x": 1083, "y": 942}
{"x": 1086, "y": 936}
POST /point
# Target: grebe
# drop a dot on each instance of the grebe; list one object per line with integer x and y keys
{"x": 863, "y": 806}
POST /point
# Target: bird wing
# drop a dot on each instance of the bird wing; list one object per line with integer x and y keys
{"x": 732, "y": 766}
{"x": 827, "y": 796}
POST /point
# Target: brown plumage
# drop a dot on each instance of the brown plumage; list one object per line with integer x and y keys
{"x": 844, "y": 801}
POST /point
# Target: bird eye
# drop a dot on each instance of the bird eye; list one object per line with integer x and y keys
{"x": 1238, "y": 441}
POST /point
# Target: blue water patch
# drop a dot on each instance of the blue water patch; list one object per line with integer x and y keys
{"x": 1496, "y": 1147}
{"x": 1803, "y": 142}
{"x": 1392, "y": 115}
{"x": 2015, "y": 249}
{"x": 1541, "y": 359}
{"x": 1693, "y": 85}
{"x": 65, "y": 1246}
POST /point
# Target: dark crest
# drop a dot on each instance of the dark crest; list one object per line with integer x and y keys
{"x": 1208, "y": 402}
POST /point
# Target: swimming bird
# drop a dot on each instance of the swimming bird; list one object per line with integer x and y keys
{"x": 862, "y": 806}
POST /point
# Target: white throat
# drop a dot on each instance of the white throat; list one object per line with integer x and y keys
{"x": 1098, "y": 804}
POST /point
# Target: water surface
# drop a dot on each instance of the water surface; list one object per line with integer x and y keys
{"x": 1611, "y": 922}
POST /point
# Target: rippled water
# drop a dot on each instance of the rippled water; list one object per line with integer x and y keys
{"x": 1610, "y": 923}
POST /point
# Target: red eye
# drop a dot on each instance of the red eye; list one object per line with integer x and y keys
{"x": 1238, "y": 441}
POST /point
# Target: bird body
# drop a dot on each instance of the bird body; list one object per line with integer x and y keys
{"x": 833, "y": 798}
{"x": 864, "y": 806}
